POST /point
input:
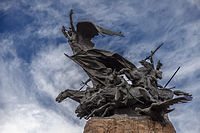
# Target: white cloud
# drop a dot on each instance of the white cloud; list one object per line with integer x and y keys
{"x": 146, "y": 22}
{"x": 186, "y": 119}
{"x": 31, "y": 118}
{"x": 49, "y": 31}
{"x": 21, "y": 112}
{"x": 53, "y": 72}
{"x": 195, "y": 3}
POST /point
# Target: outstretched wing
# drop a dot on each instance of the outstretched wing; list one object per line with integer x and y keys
{"x": 89, "y": 30}
{"x": 176, "y": 100}
{"x": 166, "y": 104}
{"x": 103, "y": 31}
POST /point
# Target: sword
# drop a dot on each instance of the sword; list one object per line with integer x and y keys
{"x": 153, "y": 52}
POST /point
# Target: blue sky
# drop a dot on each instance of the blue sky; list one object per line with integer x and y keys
{"x": 34, "y": 69}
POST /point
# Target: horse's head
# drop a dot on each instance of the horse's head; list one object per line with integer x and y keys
{"x": 61, "y": 96}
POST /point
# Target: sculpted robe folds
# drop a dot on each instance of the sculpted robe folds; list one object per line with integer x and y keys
{"x": 96, "y": 62}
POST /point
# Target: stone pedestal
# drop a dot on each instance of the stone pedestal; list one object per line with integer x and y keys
{"x": 126, "y": 125}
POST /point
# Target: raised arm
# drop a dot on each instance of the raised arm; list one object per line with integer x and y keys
{"x": 71, "y": 22}
{"x": 64, "y": 33}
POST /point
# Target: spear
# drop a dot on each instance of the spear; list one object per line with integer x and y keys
{"x": 172, "y": 77}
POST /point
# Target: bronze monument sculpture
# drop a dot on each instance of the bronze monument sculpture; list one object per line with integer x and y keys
{"x": 111, "y": 93}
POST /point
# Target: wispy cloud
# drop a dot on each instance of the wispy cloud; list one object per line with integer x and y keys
{"x": 29, "y": 118}
{"x": 22, "y": 89}
{"x": 34, "y": 69}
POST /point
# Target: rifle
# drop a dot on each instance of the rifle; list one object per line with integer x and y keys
{"x": 172, "y": 77}
{"x": 153, "y": 52}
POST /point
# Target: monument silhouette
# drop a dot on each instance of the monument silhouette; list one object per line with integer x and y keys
{"x": 115, "y": 104}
